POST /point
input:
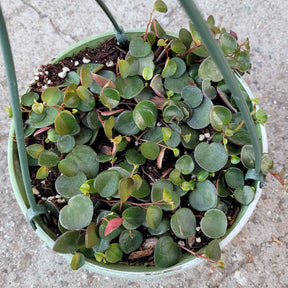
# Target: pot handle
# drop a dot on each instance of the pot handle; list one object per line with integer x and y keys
{"x": 35, "y": 209}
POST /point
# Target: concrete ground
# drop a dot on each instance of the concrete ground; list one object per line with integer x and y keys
{"x": 38, "y": 30}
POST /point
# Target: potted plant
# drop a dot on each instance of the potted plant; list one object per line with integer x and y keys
{"x": 146, "y": 156}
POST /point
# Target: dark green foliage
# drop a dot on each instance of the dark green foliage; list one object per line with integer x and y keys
{"x": 129, "y": 144}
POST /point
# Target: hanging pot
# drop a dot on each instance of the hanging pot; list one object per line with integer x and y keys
{"x": 124, "y": 271}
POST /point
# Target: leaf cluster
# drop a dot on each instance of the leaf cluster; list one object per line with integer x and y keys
{"x": 165, "y": 108}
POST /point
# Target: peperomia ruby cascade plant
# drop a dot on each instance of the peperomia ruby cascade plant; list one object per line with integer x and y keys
{"x": 151, "y": 148}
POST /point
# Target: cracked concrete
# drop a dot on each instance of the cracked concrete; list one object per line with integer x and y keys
{"x": 39, "y": 30}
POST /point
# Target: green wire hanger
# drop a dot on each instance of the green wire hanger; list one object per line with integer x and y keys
{"x": 35, "y": 209}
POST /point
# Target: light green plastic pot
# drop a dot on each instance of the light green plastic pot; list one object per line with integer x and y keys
{"x": 117, "y": 270}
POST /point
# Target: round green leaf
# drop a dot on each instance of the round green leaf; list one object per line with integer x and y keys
{"x": 147, "y": 73}
{"x": 78, "y": 260}
{"x": 110, "y": 98}
{"x": 228, "y": 43}
{"x": 34, "y": 150}
{"x": 172, "y": 112}
{"x": 48, "y": 158}
{"x": 178, "y": 46}
{"x": 129, "y": 87}
{"x": 77, "y": 214}
{"x": 86, "y": 159}
{"x": 241, "y": 61}
{"x": 248, "y": 156}
{"x": 177, "y": 84}
{"x": 73, "y": 77}
{"x": 145, "y": 114}
{"x": 150, "y": 150}
{"x": 146, "y": 66}
{"x": 67, "y": 242}
{"x": 183, "y": 223}
{"x": 92, "y": 121}
{"x": 133, "y": 217}
{"x": 65, "y": 123}
{"x": 220, "y": 116}
{"x": 160, "y": 6}
{"x": 234, "y": 177}
{"x": 86, "y": 106}
{"x": 42, "y": 172}
{"x": 51, "y": 96}
{"x": 200, "y": 116}
{"x": 139, "y": 48}
{"x": 154, "y": 216}
{"x": 156, "y": 85}
{"x": 192, "y": 137}
{"x": 86, "y": 77}
{"x": 266, "y": 163}
{"x": 167, "y": 252}
{"x": 162, "y": 228}
{"x": 204, "y": 196}
{"x": 169, "y": 69}
{"x": 213, "y": 250}
{"x": 214, "y": 223}
{"x": 222, "y": 190}
{"x": 142, "y": 191}
{"x": 65, "y": 143}
{"x": 125, "y": 188}
{"x": 240, "y": 138}
{"x": 208, "y": 90}
{"x": 52, "y": 135}
{"x": 192, "y": 95}
{"x": 174, "y": 139}
{"x": 70, "y": 186}
{"x": 28, "y": 98}
{"x": 209, "y": 70}
{"x": 83, "y": 93}
{"x": 185, "y": 164}
{"x": 124, "y": 68}
{"x": 114, "y": 253}
{"x": 130, "y": 241}
{"x": 211, "y": 157}
{"x": 175, "y": 177}
{"x": 106, "y": 183}
{"x": 68, "y": 167}
{"x": 34, "y": 116}
{"x": 221, "y": 206}
{"x": 180, "y": 67}
{"x": 162, "y": 190}
{"x": 47, "y": 118}
{"x": 91, "y": 237}
{"x": 125, "y": 124}
{"x": 71, "y": 99}
{"x": 83, "y": 136}
{"x": 244, "y": 195}
{"x": 134, "y": 157}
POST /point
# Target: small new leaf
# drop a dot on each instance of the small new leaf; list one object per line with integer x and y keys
{"x": 166, "y": 133}
{"x": 160, "y": 6}
{"x": 168, "y": 198}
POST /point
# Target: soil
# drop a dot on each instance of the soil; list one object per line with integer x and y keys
{"x": 44, "y": 190}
